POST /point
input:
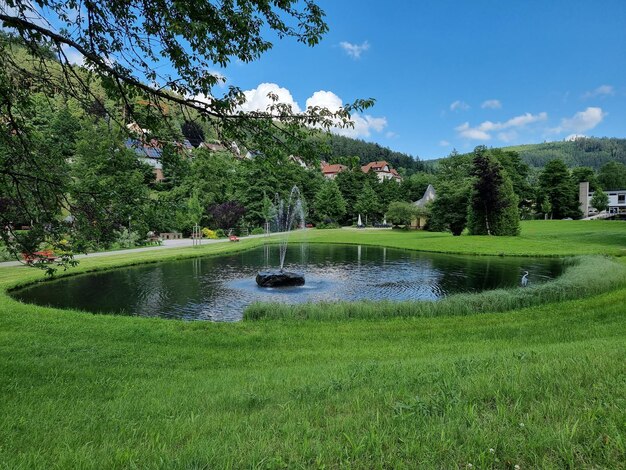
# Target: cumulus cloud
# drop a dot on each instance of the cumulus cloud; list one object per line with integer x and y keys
{"x": 354, "y": 50}
{"x": 324, "y": 99}
{"x": 582, "y": 120}
{"x": 257, "y": 99}
{"x": 364, "y": 125}
{"x": 459, "y": 105}
{"x": 602, "y": 90}
{"x": 482, "y": 131}
{"x": 491, "y": 104}
{"x": 573, "y": 137}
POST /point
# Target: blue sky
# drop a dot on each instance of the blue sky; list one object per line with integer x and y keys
{"x": 456, "y": 74}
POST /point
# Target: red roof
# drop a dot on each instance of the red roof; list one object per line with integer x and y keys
{"x": 333, "y": 169}
{"x": 376, "y": 166}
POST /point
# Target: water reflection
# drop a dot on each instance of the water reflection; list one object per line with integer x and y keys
{"x": 219, "y": 288}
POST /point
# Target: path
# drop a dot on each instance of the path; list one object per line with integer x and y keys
{"x": 184, "y": 242}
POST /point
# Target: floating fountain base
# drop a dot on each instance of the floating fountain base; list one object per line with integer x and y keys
{"x": 279, "y": 279}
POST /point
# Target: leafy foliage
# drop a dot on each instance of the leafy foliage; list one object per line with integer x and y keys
{"x": 401, "y": 213}
{"x": 329, "y": 203}
{"x": 493, "y": 203}
{"x": 558, "y": 188}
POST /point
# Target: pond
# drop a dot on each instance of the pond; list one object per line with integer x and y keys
{"x": 219, "y": 288}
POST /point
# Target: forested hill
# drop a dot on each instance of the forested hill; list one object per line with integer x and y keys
{"x": 593, "y": 152}
{"x": 340, "y": 146}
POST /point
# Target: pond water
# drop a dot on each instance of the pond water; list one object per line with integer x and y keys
{"x": 219, "y": 288}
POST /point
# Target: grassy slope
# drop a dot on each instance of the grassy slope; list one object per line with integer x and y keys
{"x": 542, "y": 387}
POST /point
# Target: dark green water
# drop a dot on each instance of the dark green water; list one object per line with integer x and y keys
{"x": 219, "y": 288}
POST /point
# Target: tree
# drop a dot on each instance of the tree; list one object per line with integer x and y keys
{"x": 557, "y": 187}
{"x": 448, "y": 212}
{"x": 148, "y": 63}
{"x": 107, "y": 189}
{"x": 401, "y": 213}
{"x": 612, "y": 175}
{"x": 367, "y": 203}
{"x": 226, "y": 215}
{"x": 600, "y": 200}
{"x": 493, "y": 203}
{"x": 582, "y": 174}
{"x": 329, "y": 203}
{"x": 351, "y": 183}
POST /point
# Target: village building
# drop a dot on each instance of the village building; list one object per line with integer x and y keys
{"x": 331, "y": 171}
{"x": 383, "y": 171}
{"x": 617, "y": 202}
{"x": 429, "y": 195}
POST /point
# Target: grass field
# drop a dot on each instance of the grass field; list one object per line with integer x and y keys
{"x": 540, "y": 387}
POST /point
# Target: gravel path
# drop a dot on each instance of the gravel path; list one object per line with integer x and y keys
{"x": 184, "y": 242}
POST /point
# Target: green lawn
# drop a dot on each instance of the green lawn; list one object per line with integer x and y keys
{"x": 541, "y": 387}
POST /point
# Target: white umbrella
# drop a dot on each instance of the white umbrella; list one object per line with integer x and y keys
{"x": 359, "y": 223}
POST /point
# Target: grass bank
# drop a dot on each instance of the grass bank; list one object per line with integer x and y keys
{"x": 539, "y": 387}
{"x": 583, "y": 276}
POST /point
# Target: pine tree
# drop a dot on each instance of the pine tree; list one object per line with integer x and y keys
{"x": 493, "y": 203}
{"x": 329, "y": 203}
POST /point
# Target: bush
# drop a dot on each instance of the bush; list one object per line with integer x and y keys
{"x": 210, "y": 234}
{"x": 401, "y": 213}
{"x": 257, "y": 231}
{"x": 126, "y": 239}
{"x": 326, "y": 225}
{"x": 220, "y": 233}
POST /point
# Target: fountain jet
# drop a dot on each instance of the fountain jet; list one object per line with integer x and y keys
{"x": 284, "y": 216}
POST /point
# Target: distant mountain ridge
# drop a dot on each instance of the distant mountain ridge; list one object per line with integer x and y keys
{"x": 588, "y": 151}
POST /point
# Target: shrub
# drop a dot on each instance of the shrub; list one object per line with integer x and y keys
{"x": 126, "y": 239}
{"x": 210, "y": 234}
{"x": 257, "y": 231}
{"x": 220, "y": 233}
{"x": 401, "y": 213}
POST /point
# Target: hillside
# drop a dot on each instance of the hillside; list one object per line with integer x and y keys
{"x": 340, "y": 146}
{"x": 592, "y": 152}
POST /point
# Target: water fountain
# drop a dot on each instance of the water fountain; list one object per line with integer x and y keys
{"x": 284, "y": 216}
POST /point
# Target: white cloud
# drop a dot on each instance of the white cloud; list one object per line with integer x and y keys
{"x": 459, "y": 105}
{"x": 602, "y": 90}
{"x": 507, "y": 136}
{"x": 258, "y": 99}
{"x": 481, "y": 132}
{"x": 324, "y": 99}
{"x": 363, "y": 124}
{"x": 354, "y": 50}
{"x": 573, "y": 137}
{"x": 444, "y": 143}
{"x": 491, "y": 104}
{"x": 73, "y": 56}
{"x": 582, "y": 120}
{"x": 466, "y": 131}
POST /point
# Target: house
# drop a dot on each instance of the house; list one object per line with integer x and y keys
{"x": 149, "y": 153}
{"x": 617, "y": 201}
{"x": 429, "y": 195}
{"x": 331, "y": 171}
{"x": 383, "y": 171}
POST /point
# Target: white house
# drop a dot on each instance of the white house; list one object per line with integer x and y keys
{"x": 617, "y": 200}
{"x": 383, "y": 171}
